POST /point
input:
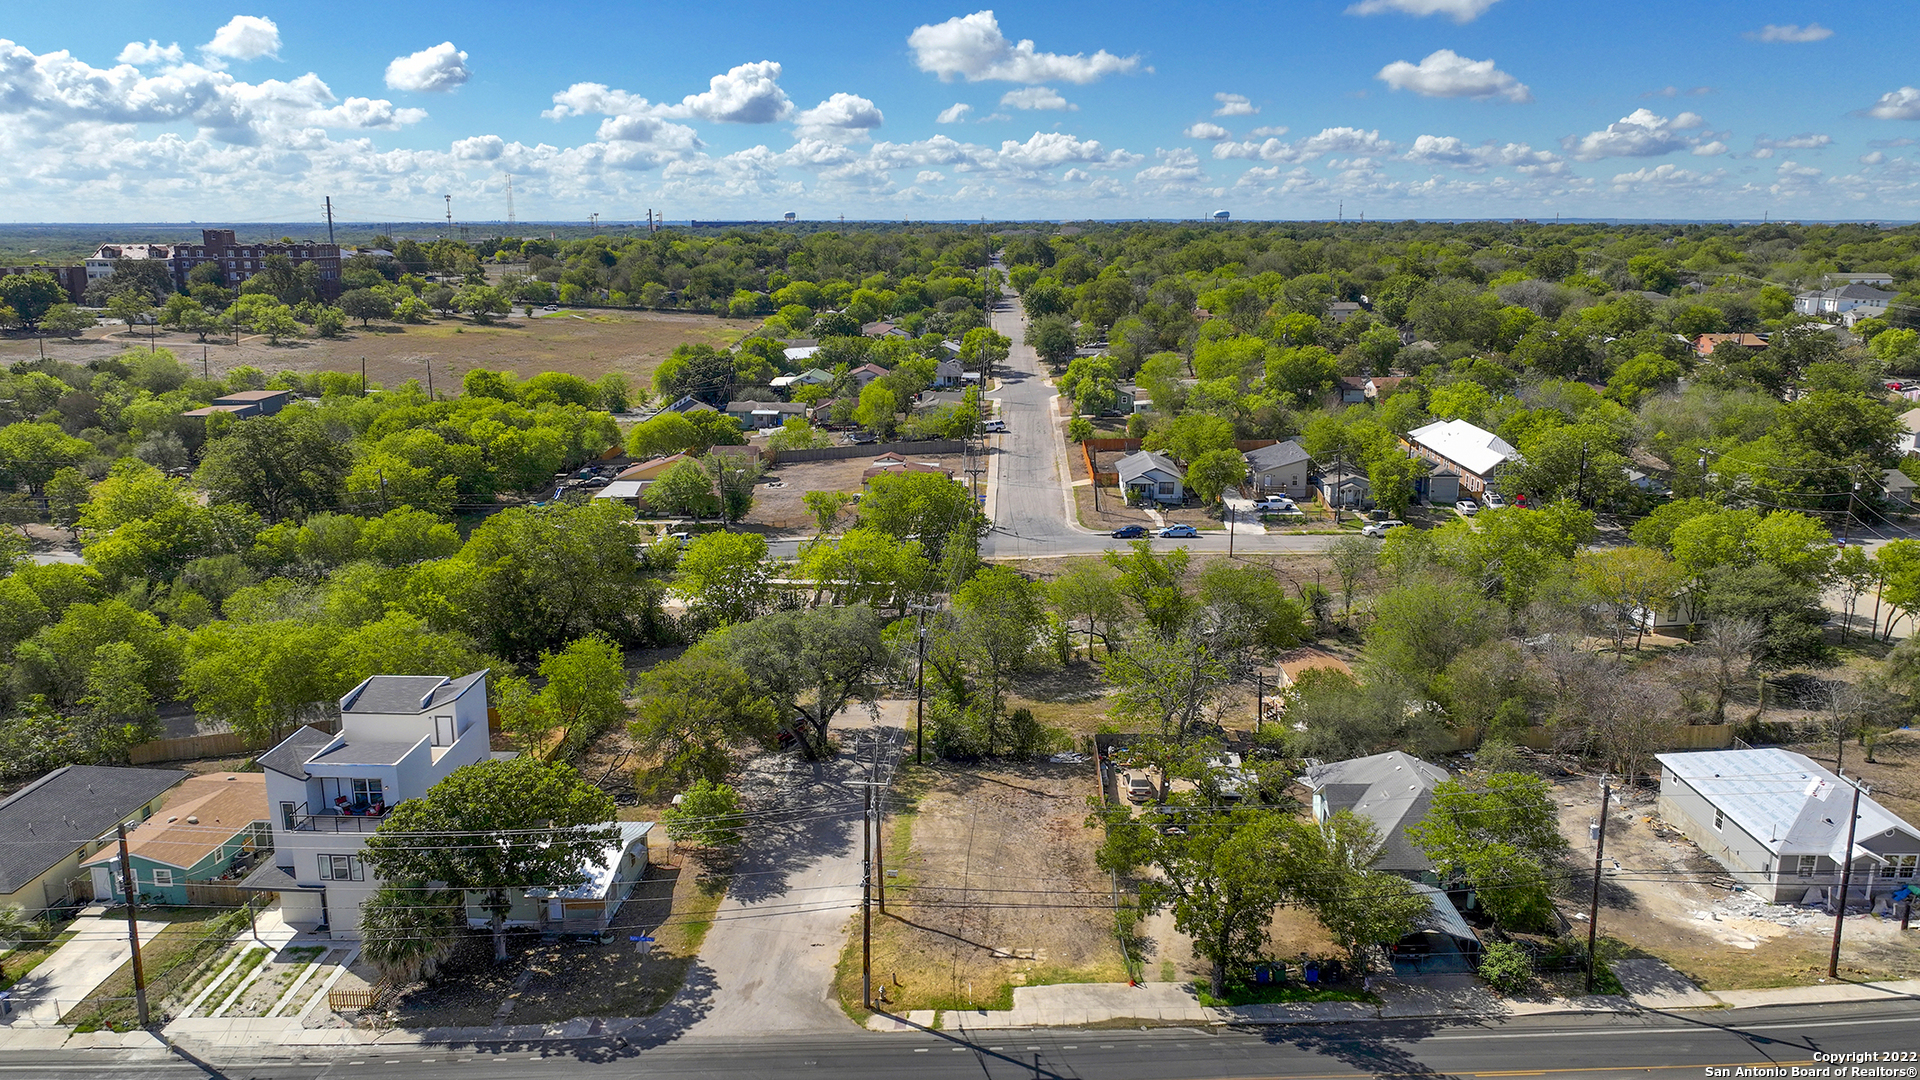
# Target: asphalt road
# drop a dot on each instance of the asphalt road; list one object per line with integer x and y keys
{"x": 1596, "y": 1047}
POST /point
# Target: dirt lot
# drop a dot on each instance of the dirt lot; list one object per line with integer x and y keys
{"x": 780, "y": 511}
{"x": 588, "y": 345}
{"x": 996, "y": 888}
{"x": 1661, "y": 902}
{"x": 1894, "y": 774}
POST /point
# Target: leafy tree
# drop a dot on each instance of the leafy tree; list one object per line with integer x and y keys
{"x": 1088, "y": 590}
{"x": 261, "y": 677}
{"x": 31, "y": 296}
{"x": 685, "y": 489}
{"x": 733, "y": 477}
{"x": 1422, "y": 625}
{"x": 276, "y": 323}
{"x": 1052, "y": 338}
{"x": 494, "y": 828}
{"x": 878, "y": 410}
{"x": 280, "y": 466}
{"x": 925, "y": 506}
{"x": 67, "y": 320}
{"x": 31, "y": 453}
{"x": 707, "y": 815}
{"x": 1079, "y": 429}
{"x": 366, "y": 305}
{"x": 1502, "y": 838}
{"x": 1216, "y": 472}
{"x": 691, "y": 712}
{"x": 810, "y": 664}
{"x": 1329, "y": 867}
{"x": 67, "y": 492}
{"x": 581, "y": 698}
{"x": 1629, "y": 580}
{"x": 1353, "y": 558}
{"x": 1154, "y": 581}
{"x": 724, "y": 575}
{"x": 826, "y": 507}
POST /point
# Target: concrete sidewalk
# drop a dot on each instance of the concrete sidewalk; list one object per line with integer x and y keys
{"x": 97, "y": 949}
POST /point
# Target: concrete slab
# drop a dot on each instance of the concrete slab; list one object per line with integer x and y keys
{"x": 1821, "y": 994}
{"x": 97, "y": 949}
{"x": 1651, "y": 984}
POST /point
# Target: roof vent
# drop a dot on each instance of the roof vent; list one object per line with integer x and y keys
{"x": 173, "y": 819}
{"x": 192, "y": 820}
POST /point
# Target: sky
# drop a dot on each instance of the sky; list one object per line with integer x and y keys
{"x": 1288, "y": 109}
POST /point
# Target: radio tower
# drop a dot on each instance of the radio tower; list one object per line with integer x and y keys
{"x": 449, "y": 199}
{"x": 510, "y": 223}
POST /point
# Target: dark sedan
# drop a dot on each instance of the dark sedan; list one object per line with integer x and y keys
{"x": 1130, "y": 532}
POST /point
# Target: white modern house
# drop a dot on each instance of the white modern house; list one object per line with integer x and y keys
{"x": 1851, "y": 302}
{"x": 399, "y": 735}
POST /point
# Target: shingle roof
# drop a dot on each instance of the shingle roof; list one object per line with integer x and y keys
{"x": 1784, "y": 800}
{"x": 46, "y": 820}
{"x": 1393, "y": 790}
{"x": 291, "y": 756}
{"x": 1273, "y": 457}
{"x": 201, "y": 814}
{"x": 1136, "y": 464}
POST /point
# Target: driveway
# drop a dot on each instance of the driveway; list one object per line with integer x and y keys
{"x": 98, "y": 947}
{"x": 778, "y": 933}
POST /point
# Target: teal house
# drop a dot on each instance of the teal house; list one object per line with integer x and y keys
{"x": 210, "y": 830}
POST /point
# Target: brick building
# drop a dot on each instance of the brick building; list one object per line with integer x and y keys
{"x": 71, "y": 278}
{"x": 237, "y": 261}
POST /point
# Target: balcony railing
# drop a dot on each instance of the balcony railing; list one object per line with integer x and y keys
{"x": 359, "y": 821}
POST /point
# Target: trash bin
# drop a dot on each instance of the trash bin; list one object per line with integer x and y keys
{"x": 6, "y": 1003}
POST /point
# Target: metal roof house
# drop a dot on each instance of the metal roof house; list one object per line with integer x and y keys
{"x": 399, "y": 736}
{"x": 1471, "y": 452}
{"x": 1778, "y": 822}
{"x": 585, "y": 905}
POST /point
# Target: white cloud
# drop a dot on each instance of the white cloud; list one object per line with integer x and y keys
{"x": 1710, "y": 149}
{"x": 953, "y": 113}
{"x": 1795, "y": 170}
{"x": 1664, "y": 178}
{"x": 1446, "y": 150}
{"x": 1037, "y": 97}
{"x": 746, "y": 94}
{"x": 479, "y": 148}
{"x": 359, "y": 112}
{"x": 841, "y": 118}
{"x": 1179, "y": 170}
{"x": 1204, "y": 130}
{"x": 1446, "y": 73}
{"x": 1804, "y": 141}
{"x": 429, "y": 71}
{"x": 245, "y": 37}
{"x": 1335, "y": 140}
{"x": 972, "y": 47}
{"x": 1675, "y": 91}
{"x": 929, "y": 176}
{"x": 151, "y": 54}
{"x": 1874, "y": 158}
{"x": 1641, "y": 134}
{"x": 1789, "y": 33}
{"x": 1901, "y": 104}
{"x": 1234, "y": 105}
{"x": 1460, "y": 11}
{"x": 1269, "y": 132}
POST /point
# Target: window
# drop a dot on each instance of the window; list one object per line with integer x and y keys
{"x": 367, "y": 791}
{"x": 286, "y": 816}
{"x": 162, "y": 879}
{"x": 1808, "y": 864}
{"x": 1166, "y": 488}
{"x": 341, "y": 868}
{"x": 1719, "y": 819}
{"x": 1902, "y": 867}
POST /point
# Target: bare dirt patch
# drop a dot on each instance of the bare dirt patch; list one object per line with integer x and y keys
{"x": 996, "y": 888}
{"x": 580, "y": 343}
{"x": 1894, "y": 774}
{"x": 780, "y": 510}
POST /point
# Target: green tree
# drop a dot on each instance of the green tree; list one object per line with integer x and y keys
{"x": 1088, "y": 590}
{"x": 482, "y": 302}
{"x": 810, "y": 664}
{"x": 1501, "y": 837}
{"x": 878, "y": 411}
{"x": 31, "y": 296}
{"x": 1353, "y": 559}
{"x": 826, "y": 507}
{"x": 581, "y": 697}
{"x": 366, "y": 305}
{"x": 684, "y": 490}
{"x": 1079, "y": 429}
{"x": 31, "y": 453}
{"x": 409, "y": 928}
{"x": 724, "y": 575}
{"x": 495, "y": 828}
{"x": 67, "y": 491}
{"x": 1629, "y": 580}
{"x": 937, "y": 511}
{"x": 1215, "y": 473}
{"x": 67, "y": 320}
{"x": 707, "y": 815}
{"x": 1155, "y": 582}
{"x": 691, "y": 712}
{"x": 733, "y": 477}
{"x": 276, "y": 322}
{"x": 1330, "y": 869}
{"x": 282, "y": 466}
{"x": 1052, "y": 339}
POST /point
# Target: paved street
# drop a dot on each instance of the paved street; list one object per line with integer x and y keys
{"x": 1598, "y": 1047}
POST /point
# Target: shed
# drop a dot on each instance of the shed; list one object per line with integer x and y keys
{"x": 586, "y": 905}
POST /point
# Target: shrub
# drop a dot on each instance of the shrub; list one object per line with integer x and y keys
{"x": 1506, "y": 967}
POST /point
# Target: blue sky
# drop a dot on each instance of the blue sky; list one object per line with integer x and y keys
{"x": 1390, "y": 108}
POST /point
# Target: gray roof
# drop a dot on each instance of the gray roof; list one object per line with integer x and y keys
{"x": 410, "y": 694}
{"x": 1273, "y": 457}
{"x": 1441, "y": 916}
{"x": 1393, "y": 790}
{"x": 268, "y": 877}
{"x": 1137, "y": 464}
{"x": 48, "y": 819}
{"x": 1782, "y": 799}
{"x": 291, "y": 756}
{"x": 365, "y": 752}
{"x": 1860, "y": 292}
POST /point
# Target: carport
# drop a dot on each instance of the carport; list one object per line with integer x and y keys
{"x": 1441, "y": 943}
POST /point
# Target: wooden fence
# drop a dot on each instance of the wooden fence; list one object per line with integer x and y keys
{"x": 872, "y": 450}
{"x": 209, "y": 894}
{"x": 219, "y": 744}
{"x": 350, "y": 1000}
{"x": 1109, "y": 445}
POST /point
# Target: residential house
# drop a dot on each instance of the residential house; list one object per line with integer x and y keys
{"x": 688, "y": 405}
{"x": 1705, "y": 344}
{"x": 797, "y": 353}
{"x": 1909, "y": 440}
{"x": 1850, "y": 302}
{"x": 399, "y": 736}
{"x": 1872, "y": 277}
{"x": 1280, "y": 469}
{"x": 1777, "y": 822}
{"x": 64, "y": 818}
{"x": 1350, "y": 390}
{"x": 209, "y": 829}
{"x": 1150, "y": 477}
{"x": 762, "y": 415}
{"x": 1898, "y": 487}
{"x": 948, "y": 373}
{"x": 1380, "y": 386}
{"x": 1344, "y": 488}
{"x": 236, "y": 261}
{"x": 1466, "y": 450}
{"x": 883, "y": 329}
{"x": 1394, "y": 791}
{"x": 652, "y": 468}
{"x": 866, "y": 373}
{"x": 1341, "y": 310}
{"x": 1441, "y": 487}
{"x": 585, "y": 905}
{"x": 1134, "y": 400}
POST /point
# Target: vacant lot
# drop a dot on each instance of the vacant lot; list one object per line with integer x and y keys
{"x": 588, "y": 344}
{"x": 778, "y": 507}
{"x": 1662, "y": 901}
{"x": 996, "y": 888}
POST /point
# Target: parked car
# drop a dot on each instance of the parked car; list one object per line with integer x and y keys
{"x": 1467, "y": 507}
{"x": 862, "y": 437}
{"x": 1129, "y": 532}
{"x": 1494, "y": 501}
{"x": 1274, "y": 502}
{"x": 994, "y": 426}
{"x": 1382, "y": 528}
{"x": 1173, "y": 532}
{"x": 1140, "y": 787}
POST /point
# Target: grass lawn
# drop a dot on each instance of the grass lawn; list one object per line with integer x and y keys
{"x": 18, "y": 963}
{"x": 1244, "y": 994}
{"x": 175, "y": 956}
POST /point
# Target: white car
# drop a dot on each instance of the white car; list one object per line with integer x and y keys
{"x": 1494, "y": 501}
{"x": 1467, "y": 507}
{"x": 1140, "y": 787}
{"x": 1274, "y": 502}
{"x": 994, "y": 425}
{"x": 1382, "y": 528}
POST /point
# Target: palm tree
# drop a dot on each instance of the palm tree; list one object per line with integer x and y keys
{"x": 408, "y": 930}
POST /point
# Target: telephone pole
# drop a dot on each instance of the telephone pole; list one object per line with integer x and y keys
{"x": 1846, "y": 882}
{"x": 133, "y": 927}
{"x": 330, "y": 219}
{"x": 1593, "y": 904}
{"x": 866, "y": 901}
{"x": 510, "y": 221}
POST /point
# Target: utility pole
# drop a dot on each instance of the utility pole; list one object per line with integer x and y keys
{"x": 510, "y": 221}
{"x": 206, "y": 369}
{"x": 363, "y": 376}
{"x": 1580, "y": 485}
{"x": 1259, "y": 699}
{"x": 879, "y": 825}
{"x": 1846, "y": 882}
{"x": 866, "y": 902}
{"x": 133, "y": 927}
{"x": 1593, "y": 905}
{"x": 330, "y": 219}
{"x": 920, "y": 690}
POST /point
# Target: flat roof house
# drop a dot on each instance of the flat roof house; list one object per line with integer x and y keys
{"x": 209, "y": 829}
{"x": 1778, "y": 822}
{"x": 399, "y": 736}
{"x": 1473, "y": 453}
{"x": 62, "y": 819}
